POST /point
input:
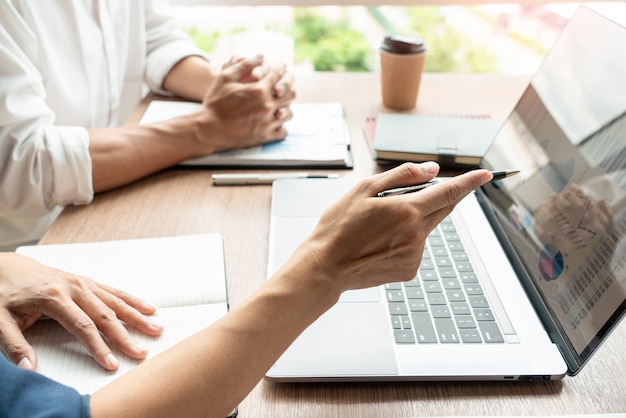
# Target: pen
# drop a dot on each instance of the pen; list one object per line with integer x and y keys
{"x": 497, "y": 175}
{"x": 243, "y": 179}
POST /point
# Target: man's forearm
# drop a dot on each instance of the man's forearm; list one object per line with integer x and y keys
{"x": 122, "y": 155}
{"x": 190, "y": 78}
{"x": 211, "y": 372}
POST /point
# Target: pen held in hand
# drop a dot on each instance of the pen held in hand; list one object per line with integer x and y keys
{"x": 497, "y": 175}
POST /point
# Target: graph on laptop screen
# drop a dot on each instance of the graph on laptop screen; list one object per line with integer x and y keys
{"x": 565, "y": 214}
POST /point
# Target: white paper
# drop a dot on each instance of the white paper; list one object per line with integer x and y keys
{"x": 184, "y": 276}
{"x": 170, "y": 271}
{"x": 317, "y": 136}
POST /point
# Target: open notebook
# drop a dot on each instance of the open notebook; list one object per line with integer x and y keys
{"x": 184, "y": 276}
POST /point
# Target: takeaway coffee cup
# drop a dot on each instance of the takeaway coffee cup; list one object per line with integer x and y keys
{"x": 401, "y": 64}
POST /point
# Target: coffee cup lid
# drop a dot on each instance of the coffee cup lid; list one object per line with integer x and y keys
{"x": 403, "y": 44}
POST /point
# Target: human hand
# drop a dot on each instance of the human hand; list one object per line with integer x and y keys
{"x": 283, "y": 87}
{"x": 248, "y": 104}
{"x": 362, "y": 238}
{"x": 30, "y": 291}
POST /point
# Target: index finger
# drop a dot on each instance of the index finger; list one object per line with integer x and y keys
{"x": 443, "y": 197}
{"x": 402, "y": 175}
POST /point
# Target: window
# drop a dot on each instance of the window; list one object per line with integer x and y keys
{"x": 509, "y": 38}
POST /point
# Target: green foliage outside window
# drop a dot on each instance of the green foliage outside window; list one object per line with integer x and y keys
{"x": 448, "y": 49}
{"x": 332, "y": 45}
{"x": 204, "y": 41}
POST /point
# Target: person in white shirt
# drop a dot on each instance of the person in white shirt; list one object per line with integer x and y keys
{"x": 71, "y": 73}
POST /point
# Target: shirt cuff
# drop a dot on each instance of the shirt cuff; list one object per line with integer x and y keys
{"x": 71, "y": 166}
{"x": 161, "y": 61}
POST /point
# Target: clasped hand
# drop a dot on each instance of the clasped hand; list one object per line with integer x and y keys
{"x": 248, "y": 104}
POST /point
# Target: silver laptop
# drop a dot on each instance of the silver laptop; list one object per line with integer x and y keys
{"x": 527, "y": 277}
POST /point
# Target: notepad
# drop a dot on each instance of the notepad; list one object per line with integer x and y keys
{"x": 318, "y": 137}
{"x": 184, "y": 276}
{"x": 452, "y": 141}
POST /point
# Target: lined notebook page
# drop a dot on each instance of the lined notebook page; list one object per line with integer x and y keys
{"x": 169, "y": 271}
{"x": 184, "y": 276}
{"x": 64, "y": 359}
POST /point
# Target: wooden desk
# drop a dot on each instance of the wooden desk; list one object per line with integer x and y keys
{"x": 184, "y": 201}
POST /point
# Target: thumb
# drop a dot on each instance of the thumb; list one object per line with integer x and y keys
{"x": 15, "y": 346}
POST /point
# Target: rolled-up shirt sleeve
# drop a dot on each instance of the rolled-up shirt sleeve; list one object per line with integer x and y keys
{"x": 48, "y": 167}
{"x": 42, "y": 166}
{"x": 166, "y": 46}
{"x": 70, "y": 165}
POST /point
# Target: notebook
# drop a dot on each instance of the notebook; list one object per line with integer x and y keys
{"x": 183, "y": 276}
{"x": 533, "y": 267}
{"x": 318, "y": 137}
{"x": 451, "y": 141}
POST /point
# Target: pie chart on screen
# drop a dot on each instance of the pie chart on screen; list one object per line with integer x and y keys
{"x": 550, "y": 262}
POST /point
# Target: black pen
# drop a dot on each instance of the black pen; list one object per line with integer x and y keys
{"x": 497, "y": 175}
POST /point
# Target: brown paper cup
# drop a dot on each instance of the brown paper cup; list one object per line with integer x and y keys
{"x": 400, "y": 79}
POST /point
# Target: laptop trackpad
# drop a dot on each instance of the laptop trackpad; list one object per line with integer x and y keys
{"x": 351, "y": 339}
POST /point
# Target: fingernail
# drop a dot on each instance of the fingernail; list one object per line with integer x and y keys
{"x": 279, "y": 90}
{"x": 431, "y": 167}
{"x": 139, "y": 348}
{"x": 258, "y": 72}
{"x": 156, "y": 325}
{"x": 112, "y": 361}
{"x": 25, "y": 363}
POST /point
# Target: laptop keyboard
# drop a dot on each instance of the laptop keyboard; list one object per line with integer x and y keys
{"x": 444, "y": 303}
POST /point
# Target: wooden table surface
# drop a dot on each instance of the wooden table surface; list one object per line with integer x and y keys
{"x": 184, "y": 201}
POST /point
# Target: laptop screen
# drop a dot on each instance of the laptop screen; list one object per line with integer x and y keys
{"x": 564, "y": 216}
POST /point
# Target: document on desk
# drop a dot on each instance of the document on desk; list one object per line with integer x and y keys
{"x": 184, "y": 276}
{"x": 318, "y": 137}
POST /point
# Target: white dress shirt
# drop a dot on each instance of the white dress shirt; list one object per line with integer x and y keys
{"x": 66, "y": 66}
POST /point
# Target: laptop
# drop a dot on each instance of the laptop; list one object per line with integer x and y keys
{"x": 527, "y": 277}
